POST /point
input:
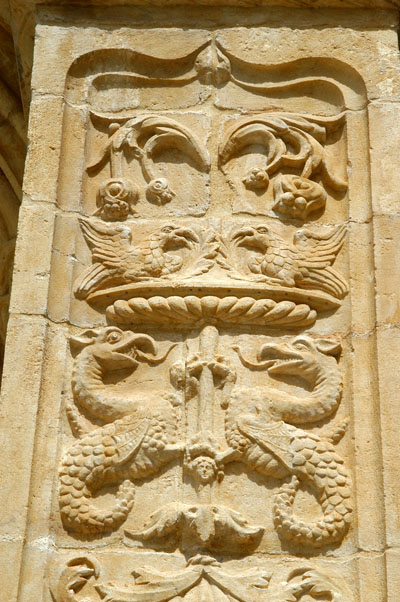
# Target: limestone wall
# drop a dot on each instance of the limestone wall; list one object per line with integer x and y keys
{"x": 199, "y": 399}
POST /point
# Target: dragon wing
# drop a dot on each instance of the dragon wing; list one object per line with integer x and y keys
{"x": 110, "y": 245}
{"x": 129, "y": 434}
{"x": 112, "y": 254}
{"x": 275, "y": 437}
{"x": 315, "y": 254}
{"x": 315, "y": 250}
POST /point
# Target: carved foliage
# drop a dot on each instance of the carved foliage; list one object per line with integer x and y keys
{"x": 142, "y": 139}
{"x": 315, "y": 583}
{"x": 83, "y": 577}
{"x": 290, "y": 145}
{"x": 202, "y": 276}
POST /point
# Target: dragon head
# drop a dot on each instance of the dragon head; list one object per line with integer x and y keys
{"x": 302, "y": 355}
{"x": 253, "y": 236}
{"x": 117, "y": 348}
{"x": 177, "y": 236}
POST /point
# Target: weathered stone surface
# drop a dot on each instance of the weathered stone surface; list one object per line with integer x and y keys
{"x": 199, "y": 396}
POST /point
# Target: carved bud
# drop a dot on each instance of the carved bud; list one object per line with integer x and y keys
{"x": 158, "y": 191}
{"x": 256, "y": 179}
{"x": 115, "y": 199}
{"x": 212, "y": 64}
{"x": 297, "y": 197}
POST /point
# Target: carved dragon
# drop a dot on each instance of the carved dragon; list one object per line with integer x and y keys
{"x": 257, "y": 430}
{"x": 139, "y": 439}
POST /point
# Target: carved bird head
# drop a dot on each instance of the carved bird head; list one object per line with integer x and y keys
{"x": 115, "y": 348}
{"x": 177, "y": 236}
{"x": 253, "y": 236}
{"x": 302, "y": 355}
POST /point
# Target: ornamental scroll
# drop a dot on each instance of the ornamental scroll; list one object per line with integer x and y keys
{"x": 206, "y": 423}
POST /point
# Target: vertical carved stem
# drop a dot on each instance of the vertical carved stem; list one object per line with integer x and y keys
{"x": 116, "y": 163}
{"x": 208, "y": 347}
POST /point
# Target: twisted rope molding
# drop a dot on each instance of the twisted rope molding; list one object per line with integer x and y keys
{"x": 191, "y": 311}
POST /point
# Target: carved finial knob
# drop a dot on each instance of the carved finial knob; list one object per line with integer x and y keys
{"x": 256, "y": 179}
{"x": 159, "y": 191}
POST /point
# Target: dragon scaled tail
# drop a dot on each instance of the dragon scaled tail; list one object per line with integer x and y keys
{"x": 337, "y": 433}
{"x": 95, "y": 461}
{"x": 323, "y": 470}
{"x": 79, "y": 514}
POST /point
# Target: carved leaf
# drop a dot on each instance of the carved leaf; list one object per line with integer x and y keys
{"x": 151, "y": 585}
{"x": 289, "y": 140}
{"x": 191, "y": 311}
{"x": 213, "y": 527}
{"x": 144, "y": 138}
{"x": 315, "y": 583}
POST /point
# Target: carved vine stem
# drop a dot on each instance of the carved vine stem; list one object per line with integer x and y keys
{"x": 208, "y": 346}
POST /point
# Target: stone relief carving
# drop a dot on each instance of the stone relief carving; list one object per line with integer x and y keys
{"x": 190, "y": 311}
{"x": 297, "y": 197}
{"x": 142, "y": 139}
{"x": 294, "y": 280}
{"x": 257, "y": 433}
{"x": 305, "y": 264}
{"x": 136, "y": 442}
{"x": 204, "y": 575}
{"x": 138, "y": 438}
{"x": 316, "y": 583}
{"x": 257, "y": 428}
{"x": 209, "y": 277}
{"x": 75, "y": 577}
{"x": 118, "y": 260}
{"x": 289, "y": 147}
{"x": 115, "y": 199}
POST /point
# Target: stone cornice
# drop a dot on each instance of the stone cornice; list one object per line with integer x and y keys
{"x": 22, "y": 18}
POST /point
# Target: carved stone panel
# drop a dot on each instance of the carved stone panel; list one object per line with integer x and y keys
{"x": 214, "y": 401}
{"x": 210, "y": 232}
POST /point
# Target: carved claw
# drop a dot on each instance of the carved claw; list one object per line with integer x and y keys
{"x": 175, "y": 449}
{"x": 229, "y": 455}
{"x": 225, "y": 377}
{"x": 75, "y": 576}
{"x": 194, "y": 366}
{"x": 222, "y": 371}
